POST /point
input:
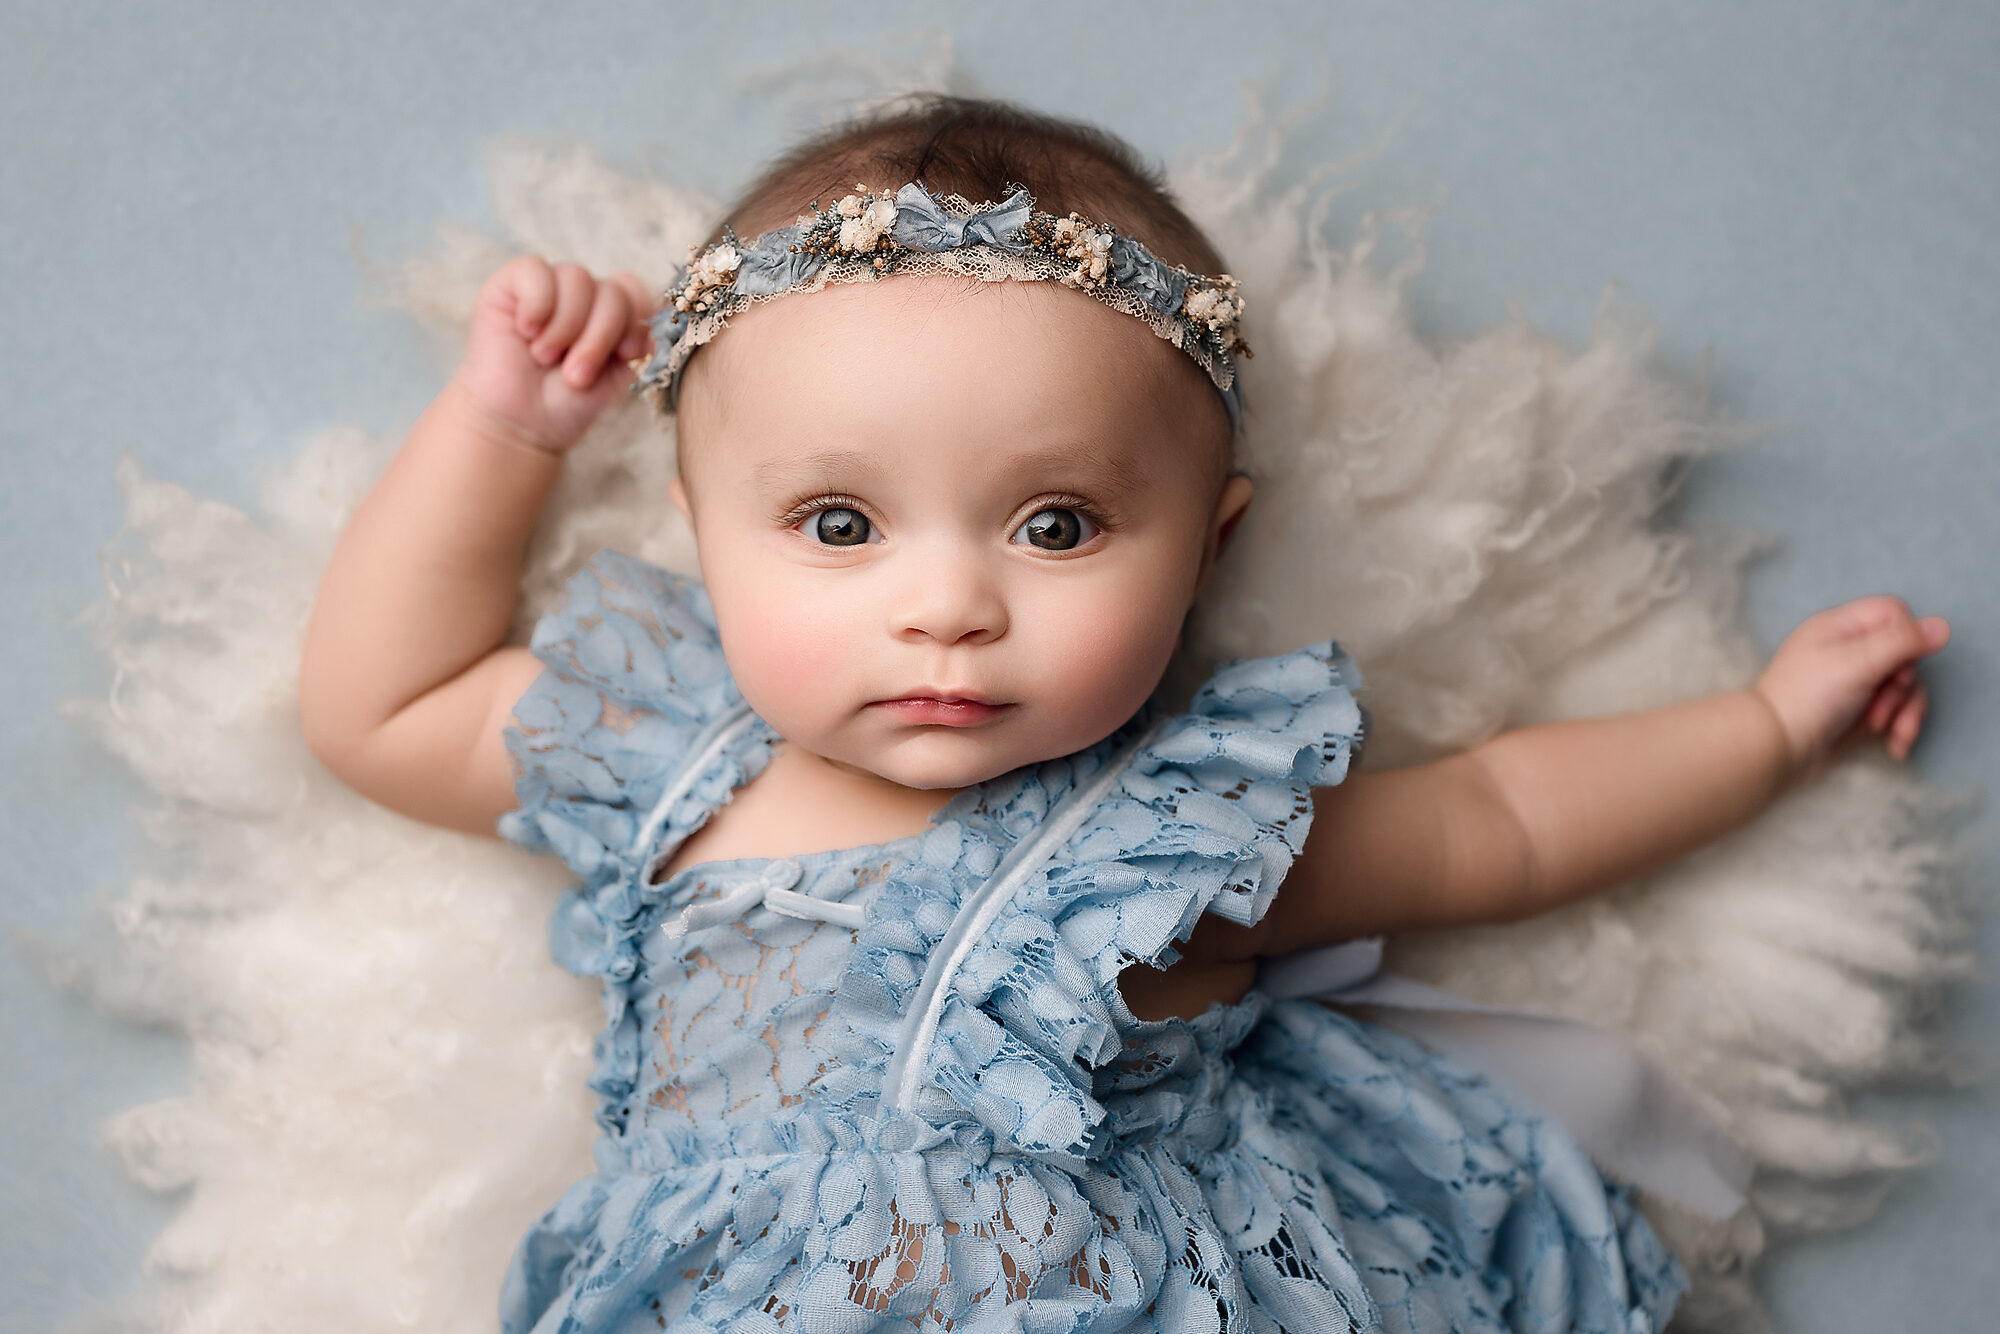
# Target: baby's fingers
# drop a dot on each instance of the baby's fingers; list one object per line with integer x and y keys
{"x": 636, "y": 337}
{"x": 610, "y": 318}
{"x": 574, "y": 290}
{"x": 1874, "y": 637}
{"x": 523, "y": 293}
{"x": 1889, "y": 697}
{"x": 1909, "y": 721}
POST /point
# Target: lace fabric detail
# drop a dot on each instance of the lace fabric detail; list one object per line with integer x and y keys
{"x": 635, "y": 684}
{"x": 1256, "y": 1167}
{"x": 732, "y": 1014}
{"x": 1468, "y": 1212}
{"x": 1206, "y": 817}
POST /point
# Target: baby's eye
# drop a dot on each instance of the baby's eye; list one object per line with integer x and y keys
{"x": 1056, "y": 530}
{"x": 840, "y": 528}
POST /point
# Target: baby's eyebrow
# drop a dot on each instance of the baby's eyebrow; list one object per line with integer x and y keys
{"x": 817, "y": 468}
{"x": 1099, "y": 470}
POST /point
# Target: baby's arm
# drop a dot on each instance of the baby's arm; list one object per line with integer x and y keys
{"x": 404, "y": 685}
{"x": 1538, "y": 817}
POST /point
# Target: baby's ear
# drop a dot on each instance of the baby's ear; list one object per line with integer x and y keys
{"x": 1230, "y": 507}
{"x": 678, "y": 493}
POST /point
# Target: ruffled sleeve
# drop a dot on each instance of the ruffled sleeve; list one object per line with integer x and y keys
{"x": 635, "y": 689}
{"x": 1206, "y": 814}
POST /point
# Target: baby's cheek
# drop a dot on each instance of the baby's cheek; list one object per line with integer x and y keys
{"x": 1115, "y": 648}
{"x": 791, "y": 656}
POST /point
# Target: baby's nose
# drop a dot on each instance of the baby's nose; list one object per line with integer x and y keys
{"x": 951, "y": 602}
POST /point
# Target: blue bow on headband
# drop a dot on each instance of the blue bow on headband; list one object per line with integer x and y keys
{"x": 922, "y": 223}
{"x": 777, "y": 263}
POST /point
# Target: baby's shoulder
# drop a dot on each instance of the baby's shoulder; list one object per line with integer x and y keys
{"x": 634, "y": 730}
{"x": 637, "y": 632}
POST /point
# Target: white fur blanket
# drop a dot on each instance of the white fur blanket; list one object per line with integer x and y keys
{"x": 387, "y": 1077}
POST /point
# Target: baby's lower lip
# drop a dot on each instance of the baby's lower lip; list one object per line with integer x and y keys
{"x": 943, "y": 712}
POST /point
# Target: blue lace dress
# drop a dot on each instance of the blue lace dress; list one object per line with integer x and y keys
{"x": 895, "y": 1087}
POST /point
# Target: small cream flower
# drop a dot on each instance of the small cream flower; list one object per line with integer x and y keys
{"x": 1076, "y": 239}
{"x": 1086, "y": 244}
{"x": 859, "y": 235}
{"x": 721, "y": 261}
{"x": 866, "y": 222}
{"x": 707, "y": 271}
{"x": 712, "y": 268}
{"x": 1099, "y": 249}
{"x": 1215, "y": 307}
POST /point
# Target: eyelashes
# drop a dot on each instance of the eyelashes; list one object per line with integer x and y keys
{"x": 805, "y": 509}
{"x": 1090, "y": 519}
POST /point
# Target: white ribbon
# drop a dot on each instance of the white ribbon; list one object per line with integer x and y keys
{"x": 773, "y": 890}
{"x": 717, "y": 737}
{"x": 1624, "y": 1108}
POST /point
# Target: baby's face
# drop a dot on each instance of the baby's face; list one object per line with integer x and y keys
{"x": 950, "y": 528}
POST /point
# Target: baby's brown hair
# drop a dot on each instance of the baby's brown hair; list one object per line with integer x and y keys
{"x": 977, "y": 148}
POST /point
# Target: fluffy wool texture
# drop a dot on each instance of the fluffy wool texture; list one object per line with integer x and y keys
{"x": 387, "y": 1073}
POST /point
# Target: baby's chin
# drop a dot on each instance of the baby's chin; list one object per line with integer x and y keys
{"x": 946, "y": 759}
{"x": 941, "y": 772}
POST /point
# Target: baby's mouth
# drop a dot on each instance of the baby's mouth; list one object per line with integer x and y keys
{"x": 942, "y": 710}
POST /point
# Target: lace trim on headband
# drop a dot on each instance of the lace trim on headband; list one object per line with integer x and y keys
{"x": 869, "y": 235}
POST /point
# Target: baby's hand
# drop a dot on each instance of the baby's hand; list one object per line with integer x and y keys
{"x": 1850, "y": 672}
{"x": 539, "y": 360}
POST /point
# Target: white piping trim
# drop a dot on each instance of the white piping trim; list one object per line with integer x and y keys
{"x": 717, "y": 736}
{"x": 904, "y": 1077}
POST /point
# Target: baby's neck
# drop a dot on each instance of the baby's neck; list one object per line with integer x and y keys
{"x": 804, "y": 803}
{"x": 854, "y": 797}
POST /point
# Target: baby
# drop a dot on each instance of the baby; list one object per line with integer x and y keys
{"x": 872, "y": 824}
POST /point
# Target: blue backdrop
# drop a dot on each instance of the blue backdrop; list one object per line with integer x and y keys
{"x": 1803, "y": 190}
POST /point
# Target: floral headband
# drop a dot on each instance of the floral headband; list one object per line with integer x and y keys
{"x": 868, "y": 235}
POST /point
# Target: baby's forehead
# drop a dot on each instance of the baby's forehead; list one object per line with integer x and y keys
{"x": 1032, "y": 368}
